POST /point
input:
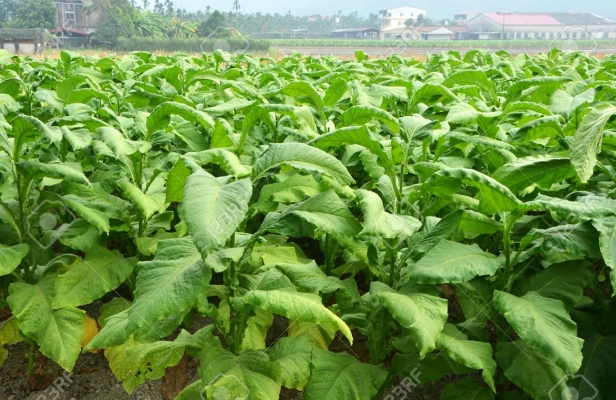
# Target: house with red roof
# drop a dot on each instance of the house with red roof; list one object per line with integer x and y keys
{"x": 549, "y": 26}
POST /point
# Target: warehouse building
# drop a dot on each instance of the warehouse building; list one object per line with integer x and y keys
{"x": 507, "y": 25}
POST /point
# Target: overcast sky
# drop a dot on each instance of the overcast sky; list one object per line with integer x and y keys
{"x": 436, "y": 9}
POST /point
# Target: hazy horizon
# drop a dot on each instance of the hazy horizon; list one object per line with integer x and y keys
{"x": 444, "y": 8}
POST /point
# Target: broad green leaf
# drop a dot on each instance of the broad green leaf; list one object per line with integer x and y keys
{"x": 302, "y": 157}
{"x": 598, "y": 367}
{"x": 256, "y": 331}
{"x": 8, "y": 104}
{"x": 452, "y": 262}
{"x": 493, "y": 196}
{"x": 335, "y": 91}
{"x": 531, "y": 371}
{"x": 297, "y": 306}
{"x": 472, "y": 77}
{"x": 293, "y": 354}
{"x": 310, "y": 278}
{"x": 565, "y": 282}
{"x": 586, "y": 143}
{"x": 223, "y": 158}
{"x": 303, "y": 89}
{"x": 35, "y": 170}
{"x": 321, "y": 336}
{"x": 544, "y": 325}
{"x": 160, "y": 117}
{"x": 100, "y": 272}
{"x": 57, "y": 332}
{"x": 422, "y": 313}
{"x": 134, "y": 363}
{"x": 235, "y": 103}
{"x": 222, "y": 136}
{"x": 147, "y": 204}
{"x": 380, "y": 223}
{"x": 292, "y": 190}
{"x": 176, "y": 182}
{"x": 10, "y": 257}
{"x": 576, "y": 239}
{"x": 543, "y": 171}
{"x": 565, "y": 104}
{"x": 607, "y": 242}
{"x": 340, "y": 376}
{"x": 213, "y": 210}
{"x": 585, "y": 207}
{"x": 166, "y": 286}
{"x": 247, "y": 376}
{"x": 50, "y": 99}
{"x": 473, "y": 354}
{"x": 119, "y": 144}
{"x": 325, "y": 212}
{"x": 466, "y": 389}
{"x": 360, "y": 115}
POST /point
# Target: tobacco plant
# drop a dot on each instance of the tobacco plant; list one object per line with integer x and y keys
{"x": 448, "y": 216}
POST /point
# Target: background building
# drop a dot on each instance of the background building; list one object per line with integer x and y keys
{"x": 396, "y": 17}
{"x": 504, "y": 25}
{"x": 71, "y": 15}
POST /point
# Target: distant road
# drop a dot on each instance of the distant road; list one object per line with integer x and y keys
{"x": 385, "y": 51}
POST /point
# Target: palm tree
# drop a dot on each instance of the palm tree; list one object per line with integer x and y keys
{"x": 207, "y": 9}
{"x": 236, "y": 5}
{"x": 146, "y": 4}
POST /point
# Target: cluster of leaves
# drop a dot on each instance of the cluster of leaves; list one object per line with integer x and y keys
{"x": 27, "y": 14}
{"x": 453, "y": 215}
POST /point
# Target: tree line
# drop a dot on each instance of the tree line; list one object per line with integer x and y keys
{"x": 160, "y": 19}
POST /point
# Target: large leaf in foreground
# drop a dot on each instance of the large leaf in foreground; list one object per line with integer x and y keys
{"x": 493, "y": 196}
{"x": 293, "y": 354}
{"x": 340, "y": 376}
{"x": 10, "y": 257}
{"x": 57, "y": 332}
{"x": 247, "y": 376}
{"x": 100, "y": 272}
{"x": 297, "y": 306}
{"x": 543, "y": 171}
{"x": 544, "y": 325}
{"x": 599, "y": 366}
{"x": 452, "y": 262}
{"x": 534, "y": 373}
{"x": 423, "y": 314}
{"x": 473, "y": 354}
{"x": 564, "y": 282}
{"x": 326, "y": 212}
{"x": 302, "y": 157}
{"x": 168, "y": 285}
{"x": 380, "y": 223}
{"x": 587, "y": 140}
{"x": 213, "y": 210}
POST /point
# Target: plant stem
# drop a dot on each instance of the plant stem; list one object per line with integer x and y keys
{"x": 31, "y": 357}
{"x": 509, "y": 222}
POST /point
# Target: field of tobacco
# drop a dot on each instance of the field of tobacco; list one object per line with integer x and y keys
{"x": 408, "y": 221}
